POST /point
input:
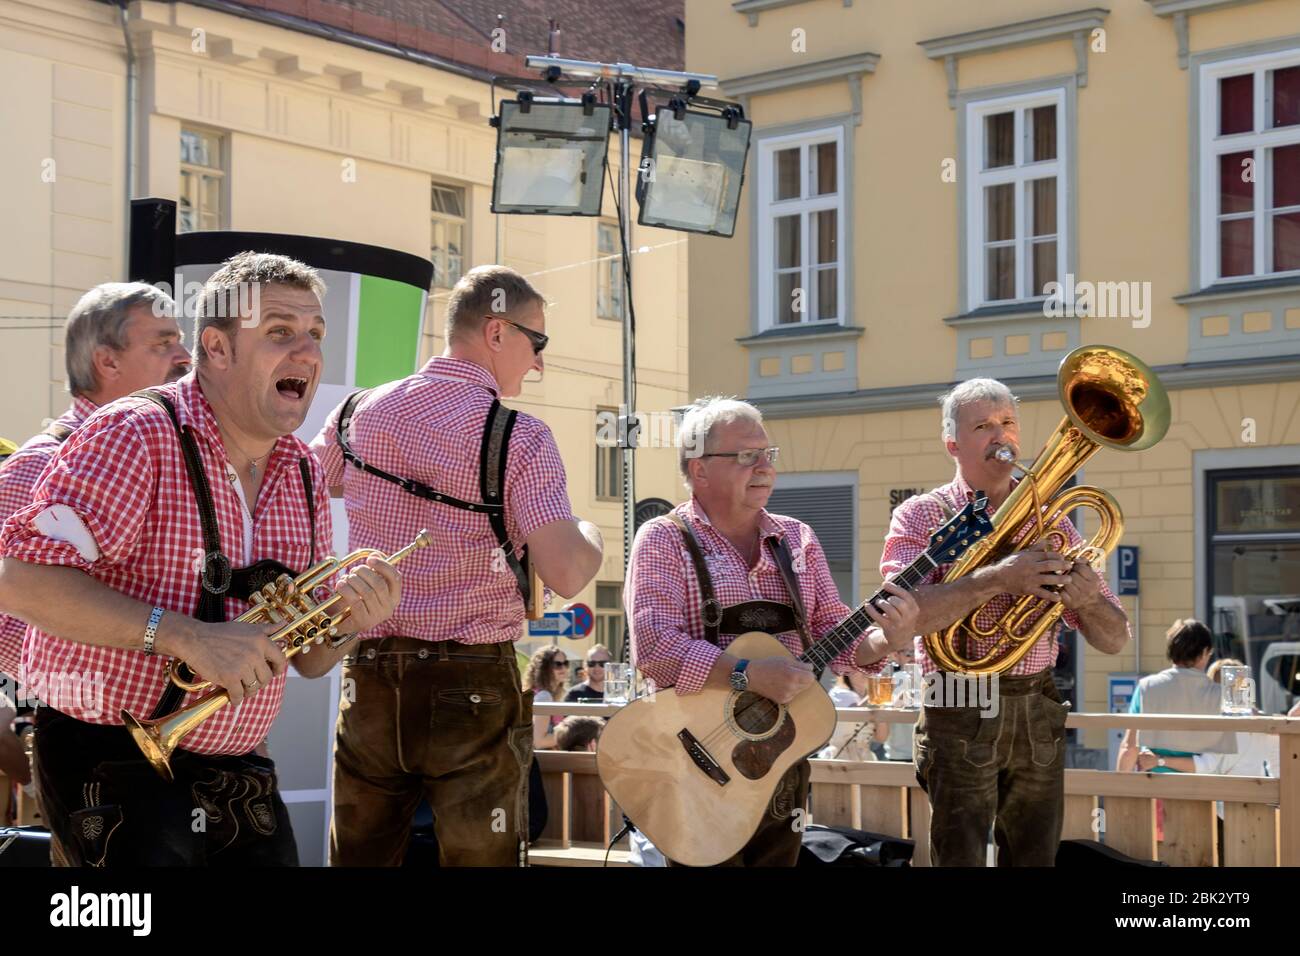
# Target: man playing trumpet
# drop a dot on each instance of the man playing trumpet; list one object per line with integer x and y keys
{"x": 144, "y": 540}
{"x": 1001, "y": 765}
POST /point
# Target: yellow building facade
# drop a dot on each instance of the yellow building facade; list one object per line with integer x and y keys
{"x": 256, "y": 127}
{"x": 921, "y": 171}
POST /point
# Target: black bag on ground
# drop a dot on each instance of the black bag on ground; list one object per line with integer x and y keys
{"x": 24, "y": 846}
{"x": 844, "y": 846}
{"x": 1086, "y": 854}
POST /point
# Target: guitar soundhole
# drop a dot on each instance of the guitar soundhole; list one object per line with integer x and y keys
{"x": 755, "y": 714}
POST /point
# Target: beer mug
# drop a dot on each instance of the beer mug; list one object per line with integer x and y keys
{"x": 618, "y": 678}
{"x": 880, "y": 689}
{"x": 1238, "y": 690}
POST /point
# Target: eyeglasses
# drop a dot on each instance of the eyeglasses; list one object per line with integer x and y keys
{"x": 749, "y": 457}
{"x": 536, "y": 339}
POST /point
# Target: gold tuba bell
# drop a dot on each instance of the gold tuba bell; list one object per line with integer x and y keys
{"x": 305, "y": 621}
{"x": 1111, "y": 399}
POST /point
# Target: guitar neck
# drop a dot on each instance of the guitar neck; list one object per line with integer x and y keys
{"x": 843, "y": 634}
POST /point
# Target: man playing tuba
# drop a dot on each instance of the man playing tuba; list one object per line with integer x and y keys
{"x": 989, "y": 751}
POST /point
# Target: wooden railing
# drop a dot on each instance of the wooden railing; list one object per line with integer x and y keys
{"x": 1261, "y": 815}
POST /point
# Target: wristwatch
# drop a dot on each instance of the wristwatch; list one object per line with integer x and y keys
{"x": 739, "y": 679}
{"x": 1160, "y": 761}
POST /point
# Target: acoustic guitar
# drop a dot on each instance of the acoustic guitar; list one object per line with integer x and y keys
{"x": 697, "y": 772}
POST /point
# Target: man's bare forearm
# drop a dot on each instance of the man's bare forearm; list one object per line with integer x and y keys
{"x": 1104, "y": 626}
{"x": 944, "y": 604}
{"x": 70, "y": 604}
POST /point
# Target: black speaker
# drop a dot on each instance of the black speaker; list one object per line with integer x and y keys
{"x": 152, "y": 255}
{"x": 24, "y": 846}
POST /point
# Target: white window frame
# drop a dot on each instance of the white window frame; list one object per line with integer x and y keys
{"x": 614, "y": 454}
{"x": 1019, "y": 173}
{"x": 447, "y": 219}
{"x": 1212, "y": 146}
{"x": 769, "y": 209}
{"x": 217, "y": 172}
{"x": 609, "y": 263}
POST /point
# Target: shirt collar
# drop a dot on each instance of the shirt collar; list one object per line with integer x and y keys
{"x": 194, "y": 410}
{"x": 446, "y": 367}
{"x": 81, "y": 409}
{"x": 963, "y": 493}
{"x": 768, "y": 528}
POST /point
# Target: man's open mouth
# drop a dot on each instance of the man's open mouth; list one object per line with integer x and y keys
{"x": 292, "y": 387}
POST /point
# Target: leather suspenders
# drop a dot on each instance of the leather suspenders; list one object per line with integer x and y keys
{"x": 712, "y": 610}
{"x": 215, "y": 576}
{"x": 491, "y": 477}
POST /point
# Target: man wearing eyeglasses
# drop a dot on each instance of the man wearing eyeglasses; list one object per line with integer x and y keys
{"x": 433, "y": 705}
{"x": 721, "y": 565}
{"x": 593, "y": 688}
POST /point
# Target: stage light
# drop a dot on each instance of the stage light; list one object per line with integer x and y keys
{"x": 692, "y": 168}
{"x": 551, "y": 156}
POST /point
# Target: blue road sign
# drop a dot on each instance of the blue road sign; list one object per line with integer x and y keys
{"x": 1127, "y": 555}
{"x": 554, "y": 624}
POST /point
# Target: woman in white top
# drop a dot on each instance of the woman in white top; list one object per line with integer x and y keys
{"x": 548, "y": 672}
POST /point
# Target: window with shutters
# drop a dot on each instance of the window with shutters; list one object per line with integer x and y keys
{"x": 829, "y": 509}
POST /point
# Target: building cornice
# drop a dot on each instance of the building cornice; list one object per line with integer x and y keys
{"x": 1075, "y": 25}
{"x": 1180, "y": 10}
{"x": 1029, "y": 389}
{"x": 752, "y": 8}
{"x": 786, "y": 78}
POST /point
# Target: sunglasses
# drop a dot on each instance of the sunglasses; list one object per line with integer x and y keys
{"x": 536, "y": 339}
{"x": 749, "y": 457}
{"x": 597, "y": 663}
{"x": 560, "y": 663}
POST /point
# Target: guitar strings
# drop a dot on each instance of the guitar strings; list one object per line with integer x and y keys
{"x": 822, "y": 652}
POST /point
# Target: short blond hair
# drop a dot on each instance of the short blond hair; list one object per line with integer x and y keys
{"x": 483, "y": 291}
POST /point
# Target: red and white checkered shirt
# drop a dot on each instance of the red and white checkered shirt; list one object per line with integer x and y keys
{"x": 18, "y": 477}
{"x": 663, "y": 599}
{"x": 123, "y": 474}
{"x": 909, "y": 535}
{"x": 429, "y": 427}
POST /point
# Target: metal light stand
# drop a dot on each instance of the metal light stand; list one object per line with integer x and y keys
{"x": 623, "y": 77}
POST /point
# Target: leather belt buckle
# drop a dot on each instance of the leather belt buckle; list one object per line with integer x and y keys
{"x": 711, "y": 612}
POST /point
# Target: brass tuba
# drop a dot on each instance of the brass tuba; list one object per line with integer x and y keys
{"x": 1111, "y": 398}
{"x": 305, "y": 621}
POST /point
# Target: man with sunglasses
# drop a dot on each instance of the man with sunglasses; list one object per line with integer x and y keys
{"x": 434, "y": 706}
{"x": 593, "y": 688}
{"x": 721, "y": 565}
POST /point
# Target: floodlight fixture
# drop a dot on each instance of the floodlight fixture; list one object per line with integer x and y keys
{"x": 551, "y": 155}
{"x": 693, "y": 166}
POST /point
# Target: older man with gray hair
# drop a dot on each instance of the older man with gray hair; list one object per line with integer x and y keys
{"x": 721, "y": 565}
{"x": 1003, "y": 767}
{"x": 120, "y": 337}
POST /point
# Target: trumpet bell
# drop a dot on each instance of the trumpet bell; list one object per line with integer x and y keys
{"x": 146, "y": 737}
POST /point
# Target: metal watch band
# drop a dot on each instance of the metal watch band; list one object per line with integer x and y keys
{"x": 151, "y": 629}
